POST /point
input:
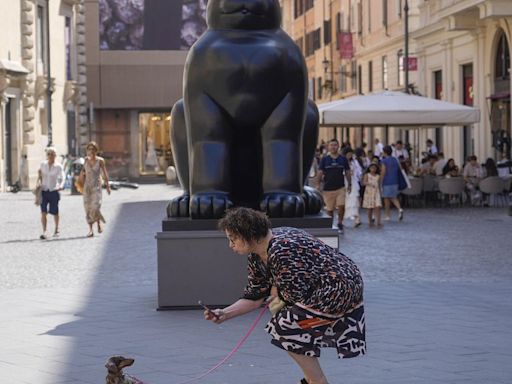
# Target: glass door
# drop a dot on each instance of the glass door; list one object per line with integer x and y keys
{"x": 154, "y": 143}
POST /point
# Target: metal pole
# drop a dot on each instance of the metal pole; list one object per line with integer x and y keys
{"x": 406, "y": 56}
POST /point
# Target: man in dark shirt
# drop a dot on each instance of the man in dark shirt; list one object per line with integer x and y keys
{"x": 333, "y": 169}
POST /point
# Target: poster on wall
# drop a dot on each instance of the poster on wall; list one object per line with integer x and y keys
{"x": 131, "y": 25}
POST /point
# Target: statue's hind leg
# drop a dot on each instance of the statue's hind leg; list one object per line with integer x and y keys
{"x": 179, "y": 206}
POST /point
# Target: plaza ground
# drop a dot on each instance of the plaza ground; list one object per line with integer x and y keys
{"x": 438, "y": 301}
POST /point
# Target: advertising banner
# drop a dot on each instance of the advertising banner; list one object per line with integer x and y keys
{"x": 345, "y": 45}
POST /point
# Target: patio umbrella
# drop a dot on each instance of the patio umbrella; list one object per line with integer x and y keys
{"x": 397, "y": 109}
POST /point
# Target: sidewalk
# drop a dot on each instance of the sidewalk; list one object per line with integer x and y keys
{"x": 438, "y": 301}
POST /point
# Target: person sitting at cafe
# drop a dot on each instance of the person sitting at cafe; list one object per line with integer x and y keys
{"x": 439, "y": 165}
{"x": 472, "y": 174}
{"x": 450, "y": 169}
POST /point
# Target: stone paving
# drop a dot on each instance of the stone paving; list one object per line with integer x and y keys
{"x": 438, "y": 301}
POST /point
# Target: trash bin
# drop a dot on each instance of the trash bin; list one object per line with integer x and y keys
{"x": 76, "y": 168}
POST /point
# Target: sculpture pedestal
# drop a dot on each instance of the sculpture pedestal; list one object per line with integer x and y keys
{"x": 196, "y": 263}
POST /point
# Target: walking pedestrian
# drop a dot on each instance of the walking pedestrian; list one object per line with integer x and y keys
{"x": 389, "y": 181}
{"x": 333, "y": 169}
{"x": 352, "y": 201}
{"x": 320, "y": 290}
{"x": 92, "y": 171}
{"x": 51, "y": 179}
{"x": 372, "y": 200}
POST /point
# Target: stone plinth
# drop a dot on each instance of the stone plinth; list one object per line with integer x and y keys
{"x": 196, "y": 263}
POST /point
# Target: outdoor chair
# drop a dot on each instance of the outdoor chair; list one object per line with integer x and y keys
{"x": 494, "y": 186}
{"x": 413, "y": 194}
{"x": 430, "y": 188}
{"x": 452, "y": 187}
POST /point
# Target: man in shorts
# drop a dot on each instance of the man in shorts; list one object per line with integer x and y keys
{"x": 51, "y": 179}
{"x": 333, "y": 169}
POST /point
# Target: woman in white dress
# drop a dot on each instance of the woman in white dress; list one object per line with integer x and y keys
{"x": 352, "y": 201}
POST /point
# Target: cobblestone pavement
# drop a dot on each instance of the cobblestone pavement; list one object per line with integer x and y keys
{"x": 438, "y": 301}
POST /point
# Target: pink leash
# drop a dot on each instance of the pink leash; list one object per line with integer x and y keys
{"x": 237, "y": 347}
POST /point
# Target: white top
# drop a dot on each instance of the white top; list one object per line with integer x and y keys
{"x": 378, "y": 149}
{"x": 53, "y": 177}
{"x": 400, "y": 152}
{"x": 432, "y": 150}
{"x": 439, "y": 165}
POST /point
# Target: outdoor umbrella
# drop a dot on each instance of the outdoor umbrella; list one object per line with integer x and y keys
{"x": 390, "y": 108}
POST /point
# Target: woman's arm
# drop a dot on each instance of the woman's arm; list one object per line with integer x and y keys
{"x": 238, "y": 308}
{"x": 382, "y": 173}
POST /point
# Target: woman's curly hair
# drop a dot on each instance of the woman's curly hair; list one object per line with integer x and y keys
{"x": 245, "y": 223}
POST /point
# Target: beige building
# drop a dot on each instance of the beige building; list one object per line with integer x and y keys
{"x": 460, "y": 48}
{"x": 42, "y": 84}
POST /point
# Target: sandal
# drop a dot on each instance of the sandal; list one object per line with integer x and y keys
{"x": 303, "y": 381}
{"x": 90, "y": 234}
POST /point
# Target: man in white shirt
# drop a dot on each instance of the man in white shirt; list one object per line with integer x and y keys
{"x": 439, "y": 164}
{"x": 431, "y": 148}
{"x": 378, "y": 149}
{"x": 51, "y": 179}
{"x": 399, "y": 150}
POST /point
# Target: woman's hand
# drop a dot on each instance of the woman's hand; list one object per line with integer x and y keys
{"x": 215, "y": 315}
{"x": 108, "y": 188}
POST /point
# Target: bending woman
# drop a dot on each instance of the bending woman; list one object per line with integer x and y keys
{"x": 321, "y": 290}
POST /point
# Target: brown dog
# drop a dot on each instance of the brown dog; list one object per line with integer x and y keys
{"x": 115, "y": 365}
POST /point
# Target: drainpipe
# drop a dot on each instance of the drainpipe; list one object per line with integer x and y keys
{"x": 406, "y": 56}
{"x": 49, "y": 89}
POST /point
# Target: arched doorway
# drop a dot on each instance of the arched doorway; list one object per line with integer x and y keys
{"x": 500, "y": 99}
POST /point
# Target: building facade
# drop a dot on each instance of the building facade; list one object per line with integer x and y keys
{"x": 136, "y": 54}
{"x": 42, "y": 85}
{"x": 459, "y": 52}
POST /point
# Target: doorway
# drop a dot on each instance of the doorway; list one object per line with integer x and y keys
{"x": 154, "y": 143}
{"x": 8, "y": 123}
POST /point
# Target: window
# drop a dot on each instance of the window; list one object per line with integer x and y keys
{"x": 370, "y": 76}
{"x": 316, "y": 39}
{"x": 353, "y": 69}
{"x": 360, "y": 19}
{"x": 41, "y": 49}
{"x": 384, "y": 72}
{"x": 319, "y": 87}
{"x": 298, "y": 8}
{"x": 401, "y": 74}
{"x": 327, "y": 32}
{"x": 343, "y": 79}
{"x": 502, "y": 68}
{"x": 399, "y": 8}
{"x": 369, "y": 16}
{"x": 438, "y": 85}
{"x": 67, "y": 43}
{"x": 385, "y": 13}
{"x": 309, "y": 4}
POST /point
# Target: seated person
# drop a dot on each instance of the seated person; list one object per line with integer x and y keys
{"x": 472, "y": 174}
{"x": 504, "y": 165}
{"x": 450, "y": 169}
{"x": 439, "y": 164}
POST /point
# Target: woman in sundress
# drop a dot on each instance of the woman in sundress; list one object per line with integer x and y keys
{"x": 92, "y": 171}
{"x": 372, "y": 200}
{"x": 320, "y": 290}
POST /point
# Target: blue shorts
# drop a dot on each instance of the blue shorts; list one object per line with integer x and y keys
{"x": 390, "y": 191}
{"x": 50, "y": 198}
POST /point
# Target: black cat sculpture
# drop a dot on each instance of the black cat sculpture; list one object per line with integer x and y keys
{"x": 244, "y": 133}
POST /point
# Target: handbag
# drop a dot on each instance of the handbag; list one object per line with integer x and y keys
{"x": 79, "y": 182}
{"x": 38, "y": 192}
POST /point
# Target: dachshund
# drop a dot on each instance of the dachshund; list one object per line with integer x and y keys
{"x": 115, "y": 365}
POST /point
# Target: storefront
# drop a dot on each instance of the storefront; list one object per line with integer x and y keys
{"x": 154, "y": 144}
{"x": 135, "y": 144}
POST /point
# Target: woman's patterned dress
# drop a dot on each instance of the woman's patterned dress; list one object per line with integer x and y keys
{"x": 92, "y": 192}
{"x": 322, "y": 289}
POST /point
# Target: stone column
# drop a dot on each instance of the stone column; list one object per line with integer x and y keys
{"x": 28, "y": 61}
{"x": 480, "y": 130}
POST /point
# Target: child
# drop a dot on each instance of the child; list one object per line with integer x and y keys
{"x": 372, "y": 200}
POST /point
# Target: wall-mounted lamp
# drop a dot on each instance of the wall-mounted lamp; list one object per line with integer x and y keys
{"x": 329, "y": 84}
